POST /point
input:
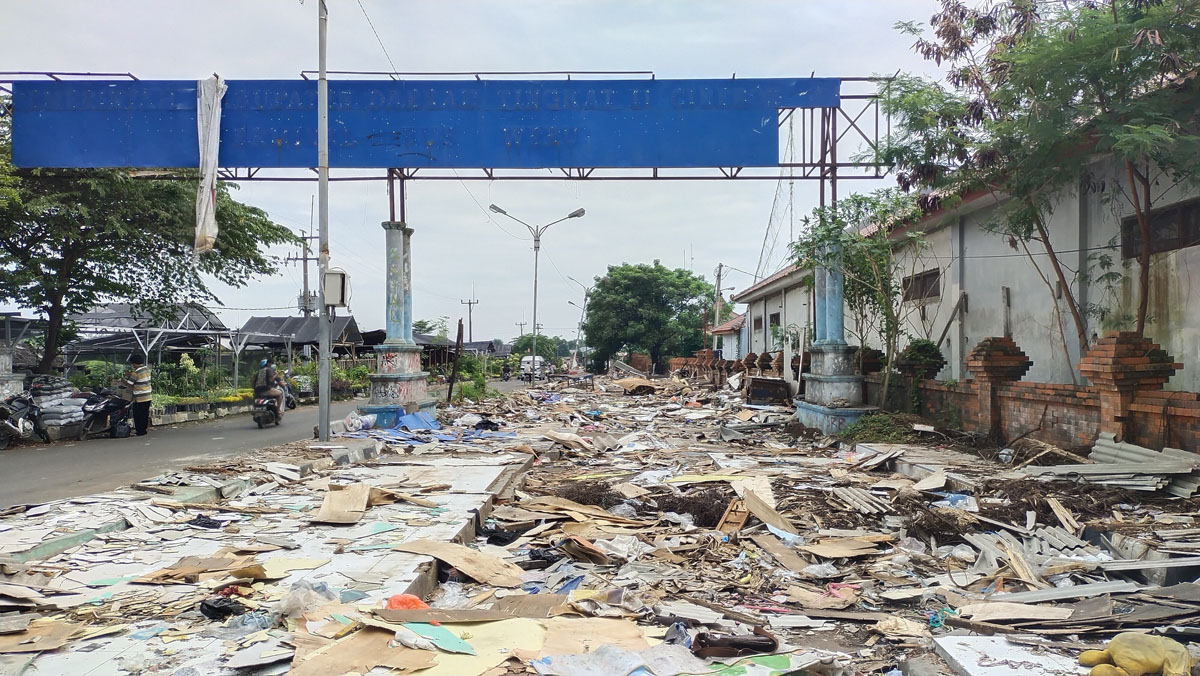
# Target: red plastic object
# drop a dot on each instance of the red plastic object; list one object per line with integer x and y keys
{"x": 406, "y": 602}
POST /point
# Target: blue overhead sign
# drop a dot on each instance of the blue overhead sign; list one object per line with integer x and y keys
{"x": 400, "y": 124}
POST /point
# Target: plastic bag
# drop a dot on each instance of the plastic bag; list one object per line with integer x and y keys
{"x": 821, "y": 570}
{"x": 1139, "y": 654}
{"x": 451, "y": 595}
{"x": 304, "y": 596}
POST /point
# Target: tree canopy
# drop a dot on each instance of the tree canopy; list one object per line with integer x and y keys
{"x": 71, "y": 239}
{"x": 1034, "y": 94}
{"x": 648, "y": 308}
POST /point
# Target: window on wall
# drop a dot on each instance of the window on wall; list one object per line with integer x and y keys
{"x": 774, "y": 319}
{"x": 923, "y": 285}
{"x": 758, "y": 323}
{"x": 1174, "y": 227}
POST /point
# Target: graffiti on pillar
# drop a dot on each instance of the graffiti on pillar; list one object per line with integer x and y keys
{"x": 398, "y": 392}
{"x": 399, "y": 362}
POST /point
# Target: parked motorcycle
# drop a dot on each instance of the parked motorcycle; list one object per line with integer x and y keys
{"x": 265, "y": 411}
{"x": 20, "y": 418}
{"x": 106, "y": 411}
{"x": 289, "y": 399}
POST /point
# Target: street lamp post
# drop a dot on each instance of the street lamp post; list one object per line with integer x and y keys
{"x": 536, "y": 232}
{"x": 587, "y": 292}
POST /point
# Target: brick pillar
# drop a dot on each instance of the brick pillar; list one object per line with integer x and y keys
{"x": 993, "y": 362}
{"x": 1120, "y": 365}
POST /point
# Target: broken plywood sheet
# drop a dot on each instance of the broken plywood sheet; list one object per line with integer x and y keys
{"x": 573, "y": 635}
{"x": 766, "y": 513}
{"x": 786, "y": 557}
{"x": 344, "y": 504}
{"x": 482, "y": 567}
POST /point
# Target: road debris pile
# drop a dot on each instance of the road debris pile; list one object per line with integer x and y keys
{"x": 652, "y": 527}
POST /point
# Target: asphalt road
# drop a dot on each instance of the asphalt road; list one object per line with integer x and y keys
{"x": 36, "y": 473}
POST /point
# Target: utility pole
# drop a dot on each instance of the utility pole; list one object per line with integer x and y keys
{"x": 520, "y": 325}
{"x": 717, "y": 304}
{"x": 304, "y": 257}
{"x": 470, "y": 322}
{"x": 325, "y": 325}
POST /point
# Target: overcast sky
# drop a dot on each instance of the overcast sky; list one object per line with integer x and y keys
{"x": 458, "y": 246}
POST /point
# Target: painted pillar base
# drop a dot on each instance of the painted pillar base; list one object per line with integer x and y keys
{"x": 399, "y": 386}
{"x": 829, "y": 420}
{"x": 832, "y": 382}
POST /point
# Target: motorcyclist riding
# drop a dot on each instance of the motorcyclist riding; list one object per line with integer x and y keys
{"x": 266, "y": 383}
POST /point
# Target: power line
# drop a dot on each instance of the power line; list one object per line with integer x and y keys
{"x": 485, "y": 211}
{"x": 372, "y": 25}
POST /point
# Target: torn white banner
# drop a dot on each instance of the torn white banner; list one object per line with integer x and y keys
{"x": 208, "y": 123}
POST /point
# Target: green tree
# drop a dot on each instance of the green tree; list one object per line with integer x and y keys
{"x": 858, "y": 237}
{"x": 429, "y": 327}
{"x": 1034, "y": 94}
{"x": 553, "y": 348}
{"x": 647, "y": 307}
{"x": 70, "y": 239}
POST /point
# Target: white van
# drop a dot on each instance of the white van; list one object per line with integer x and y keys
{"x": 527, "y": 366}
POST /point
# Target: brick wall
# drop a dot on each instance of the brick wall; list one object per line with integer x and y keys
{"x": 1126, "y": 397}
{"x": 1165, "y": 419}
{"x": 1064, "y": 415}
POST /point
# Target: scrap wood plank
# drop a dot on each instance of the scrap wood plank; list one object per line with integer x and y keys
{"x": 766, "y": 513}
{"x": 1016, "y": 561}
{"x": 734, "y": 518}
{"x": 786, "y": 557}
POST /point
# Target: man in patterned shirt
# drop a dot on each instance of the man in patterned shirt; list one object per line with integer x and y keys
{"x": 138, "y": 382}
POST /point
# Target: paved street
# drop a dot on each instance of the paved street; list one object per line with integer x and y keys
{"x": 38, "y": 473}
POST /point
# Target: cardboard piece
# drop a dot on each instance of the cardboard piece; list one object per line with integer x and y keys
{"x": 482, "y": 567}
{"x": 42, "y": 635}
{"x": 459, "y": 616}
{"x": 990, "y": 611}
{"x": 494, "y": 643}
{"x": 766, "y": 513}
{"x": 786, "y": 557}
{"x": 574, "y": 635}
{"x": 277, "y": 569}
{"x": 841, "y": 548}
{"x": 360, "y": 652}
{"x": 761, "y": 485}
{"x": 530, "y": 605}
{"x": 344, "y": 504}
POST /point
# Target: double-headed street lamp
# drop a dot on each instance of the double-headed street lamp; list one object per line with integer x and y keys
{"x": 587, "y": 291}
{"x": 537, "y": 247}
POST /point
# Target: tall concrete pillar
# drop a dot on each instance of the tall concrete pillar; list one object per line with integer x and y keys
{"x": 819, "y": 305}
{"x": 399, "y": 283}
{"x": 835, "y": 308}
{"x": 398, "y": 384}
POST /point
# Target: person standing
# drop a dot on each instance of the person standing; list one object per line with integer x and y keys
{"x": 138, "y": 382}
